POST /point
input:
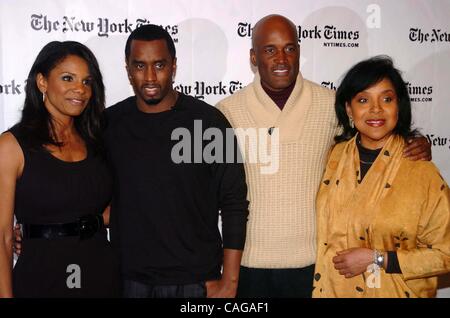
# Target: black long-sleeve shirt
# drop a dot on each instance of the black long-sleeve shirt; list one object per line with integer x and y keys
{"x": 164, "y": 218}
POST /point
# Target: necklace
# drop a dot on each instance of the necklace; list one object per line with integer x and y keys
{"x": 366, "y": 162}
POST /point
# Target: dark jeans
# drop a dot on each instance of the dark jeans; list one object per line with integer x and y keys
{"x": 133, "y": 289}
{"x": 275, "y": 283}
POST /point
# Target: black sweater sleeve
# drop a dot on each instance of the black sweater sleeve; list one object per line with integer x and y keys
{"x": 232, "y": 187}
{"x": 393, "y": 266}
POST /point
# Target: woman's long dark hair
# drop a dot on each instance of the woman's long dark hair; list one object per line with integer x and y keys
{"x": 364, "y": 75}
{"x": 36, "y": 126}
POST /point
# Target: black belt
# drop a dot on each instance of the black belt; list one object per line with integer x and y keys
{"x": 85, "y": 227}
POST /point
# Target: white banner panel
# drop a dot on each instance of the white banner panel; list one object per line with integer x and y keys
{"x": 213, "y": 40}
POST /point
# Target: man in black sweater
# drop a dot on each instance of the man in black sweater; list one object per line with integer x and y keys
{"x": 167, "y": 198}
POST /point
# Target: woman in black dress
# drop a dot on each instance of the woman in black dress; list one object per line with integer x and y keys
{"x": 54, "y": 179}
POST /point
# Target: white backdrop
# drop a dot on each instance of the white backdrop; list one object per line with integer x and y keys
{"x": 213, "y": 41}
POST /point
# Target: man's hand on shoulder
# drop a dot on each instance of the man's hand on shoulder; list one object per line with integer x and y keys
{"x": 418, "y": 148}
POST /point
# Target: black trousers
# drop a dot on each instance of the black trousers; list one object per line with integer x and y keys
{"x": 133, "y": 289}
{"x": 275, "y": 283}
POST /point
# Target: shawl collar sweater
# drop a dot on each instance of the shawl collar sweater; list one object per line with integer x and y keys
{"x": 281, "y": 226}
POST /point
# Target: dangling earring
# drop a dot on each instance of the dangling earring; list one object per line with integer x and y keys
{"x": 43, "y": 97}
{"x": 352, "y": 124}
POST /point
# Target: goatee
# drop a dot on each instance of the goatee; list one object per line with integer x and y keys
{"x": 153, "y": 101}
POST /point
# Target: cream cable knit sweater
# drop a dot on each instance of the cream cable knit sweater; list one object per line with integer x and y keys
{"x": 281, "y": 226}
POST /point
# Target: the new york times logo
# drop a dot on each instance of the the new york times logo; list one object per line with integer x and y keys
{"x": 438, "y": 141}
{"x": 102, "y": 26}
{"x": 337, "y": 37}
{"x": 436, "y": 35}
{"x": 11, "y": 88}
{"x": 329, "y": 84}
{"x": 417, "y": 93}
{"x": 201, "y": 89}
{"x": 420, "y": 93}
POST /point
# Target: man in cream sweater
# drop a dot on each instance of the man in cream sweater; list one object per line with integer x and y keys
{"x": 280, "y": 248}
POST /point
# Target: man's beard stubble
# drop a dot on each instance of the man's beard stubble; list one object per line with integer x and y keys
{"x": 153, "y": 101}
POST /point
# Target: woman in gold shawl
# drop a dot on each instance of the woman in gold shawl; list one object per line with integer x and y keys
{"x": 383, "y": 221}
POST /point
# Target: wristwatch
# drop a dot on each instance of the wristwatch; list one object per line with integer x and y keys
{"x": 378, "y": 258}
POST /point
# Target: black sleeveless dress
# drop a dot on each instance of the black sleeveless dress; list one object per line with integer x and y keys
{"x": 54, "y": 191}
